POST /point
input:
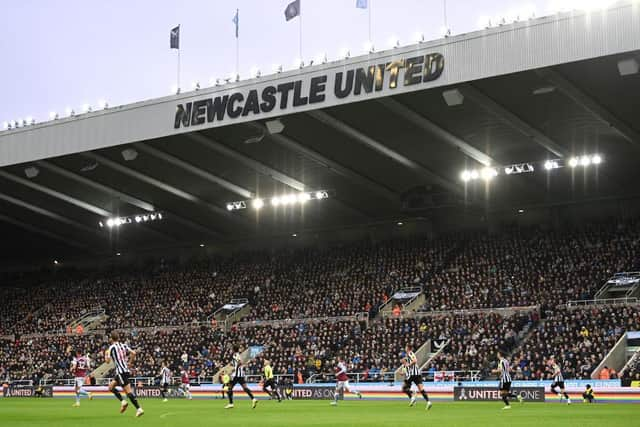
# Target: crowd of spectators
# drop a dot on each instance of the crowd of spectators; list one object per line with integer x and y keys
{"x": 515, "y": 267}
{"x": 534, "y": 267}
{"x": 578, "y": 339}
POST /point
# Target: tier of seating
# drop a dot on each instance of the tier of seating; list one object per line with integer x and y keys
{"x": 516, "y": 267}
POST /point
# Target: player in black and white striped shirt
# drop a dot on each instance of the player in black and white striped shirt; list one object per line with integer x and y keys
{"x": 413, "y": 375}
{"x": 165, "y": 380}
{"x": 238, "y": 377}
{"x": 558, "y": 380}
{"x": 504, "y": 370}
{"x": 121, "y": 354}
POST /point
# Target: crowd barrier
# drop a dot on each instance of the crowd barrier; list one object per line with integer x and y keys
{"x": 605, "y": 391}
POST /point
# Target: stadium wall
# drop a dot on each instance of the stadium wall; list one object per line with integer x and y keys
{"x": 609, "y": 391}
{"x": 527, "y": 45}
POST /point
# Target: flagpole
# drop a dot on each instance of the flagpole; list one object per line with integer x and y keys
{"x": 300, "y": 39}
{"x": 370, "y": 6}
{"x": 444, "y": 8}
{"x": 237, "y": 44}
{"x": 178, "y": 76}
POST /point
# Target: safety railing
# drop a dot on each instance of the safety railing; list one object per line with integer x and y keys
{"x": 150, "y": 381}
{"x": 356, "y": 377}
{"x": 603, "y": 301}
{"x": 360, "y": 317}
{"x": 504, "y": 311}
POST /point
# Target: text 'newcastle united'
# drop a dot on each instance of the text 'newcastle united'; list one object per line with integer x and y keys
{"x": 353, "y": 82}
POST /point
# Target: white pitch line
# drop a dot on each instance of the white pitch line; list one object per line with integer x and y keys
{"x": 167, "y": 414}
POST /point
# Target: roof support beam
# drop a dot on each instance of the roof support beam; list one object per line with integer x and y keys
{"x": 384, "y": 150}
{"x": 47, "y": 213}
{"x": 56, "y": 194}
{"x": 428, "y": 126}
{"x": 163, "y": 186}
{"x": 46, "y": 233}
{"x": 132, "y": 200}
{"x": 173, "y": 160}
{"x": 255, "y": 165}
{"x": 97, "y": 186}
{"x": 591, "y": 105}
{"x": 512, "y": 120}
{"x": 332, "y": 165}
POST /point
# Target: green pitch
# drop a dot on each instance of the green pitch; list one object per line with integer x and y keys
{"x": 182, "y": 413}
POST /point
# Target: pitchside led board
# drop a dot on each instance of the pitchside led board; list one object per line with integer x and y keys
{"x": 486, "y": 394}
{"x": 295, "y": 93}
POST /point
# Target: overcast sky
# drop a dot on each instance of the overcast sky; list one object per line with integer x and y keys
{"x": 65, "y": 53}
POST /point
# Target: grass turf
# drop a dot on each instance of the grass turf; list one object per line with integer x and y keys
{"x": 182, "y": 413}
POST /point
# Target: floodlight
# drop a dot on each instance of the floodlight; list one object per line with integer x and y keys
{"x": 304, "y": 197}
{"x": 596, "y": 159}
{"x": 585, "y": 160}
{"x": 488, "y": 173}
{"x": 573, "y": 162}
{"x": 257, "y": 204}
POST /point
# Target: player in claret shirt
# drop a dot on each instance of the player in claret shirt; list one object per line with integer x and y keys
{"x": 342, "y": 382}
{"x": 80, "y": 365}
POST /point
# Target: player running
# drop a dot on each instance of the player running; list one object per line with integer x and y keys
{"x": 505, "y": 381}
{"x": 165, "y": 380}
{"x": 185, "y": 385}
{"x": 79, "y": 367}
{"x": 558, "y": 380}
{"x": 121, "y": 355}
{"x": 413, "y": 375}
{"x": 342, "y": 382}
{"x": 269, "y": 385}
{"x": 238, "y": 378}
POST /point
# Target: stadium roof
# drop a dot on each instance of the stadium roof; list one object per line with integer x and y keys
{"x": 544, "y": 89}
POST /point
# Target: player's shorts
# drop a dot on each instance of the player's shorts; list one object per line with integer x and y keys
{"x": 505, "y": 386}
{"x": 185, "y": 386}
{"x": 269, "y": 383}
{"x": 237, "y": 380}
{"x": 123, "y": 379}
{"x": 342, "y": 384}
{"x": 415, "y": 379}
{"x": 164, "y": 387}
{"x": 558, "y": 384}
{"x": 79, "y": 381}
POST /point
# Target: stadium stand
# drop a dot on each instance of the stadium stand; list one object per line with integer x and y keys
{"x": 165, "y": 310}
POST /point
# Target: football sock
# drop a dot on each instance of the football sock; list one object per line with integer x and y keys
{"x": 132, "y": 399}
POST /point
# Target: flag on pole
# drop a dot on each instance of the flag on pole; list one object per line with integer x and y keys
{"x": 292, "y": 10}
{"x": 174, "y": 38}
{"x": 236, "y": 21}
{"x": 362, "y": 4}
